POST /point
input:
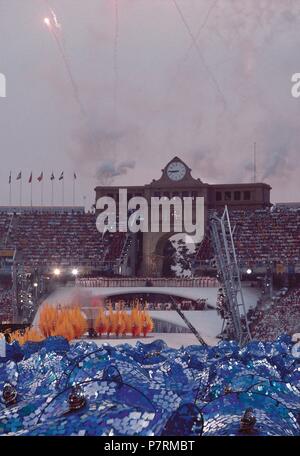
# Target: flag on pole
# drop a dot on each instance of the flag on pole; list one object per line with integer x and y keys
{"x": 30, "y": 179}
{"x": 9, "y": 179}
{"x": 40, "y": 178}
{"x": 52, "y": 176}
{"x": 74, "y": 180}
{"x": 61, "y": 176}
{"x": 19, "y": 178}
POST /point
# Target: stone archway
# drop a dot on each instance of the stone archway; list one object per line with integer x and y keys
{"x": 154, "y": 252}
{"x": 153, "y": 245}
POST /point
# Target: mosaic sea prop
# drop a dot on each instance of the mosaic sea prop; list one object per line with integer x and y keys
{"x": 56, "y": 388}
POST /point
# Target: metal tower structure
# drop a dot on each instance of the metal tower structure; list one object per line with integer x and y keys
{"x": 187, "y": 322}
{"x": 222, "y": 239}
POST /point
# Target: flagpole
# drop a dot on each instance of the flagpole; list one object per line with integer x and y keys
{"x": 42, "y": 191}
{"x": 10, "y": 189}
{"x": 74, "y": 190}
{"x": 52, "y": 192}
{"x": 21, "y": 191}
{"x": 31, "y": 193}
{"x": 63, "y": 191}
{"x": 62, "y": 179}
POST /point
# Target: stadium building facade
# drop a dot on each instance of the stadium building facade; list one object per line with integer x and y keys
{"x": 177, "y": 181}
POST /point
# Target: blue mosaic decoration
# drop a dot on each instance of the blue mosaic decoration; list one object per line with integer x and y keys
{"x": 56, "y": 388}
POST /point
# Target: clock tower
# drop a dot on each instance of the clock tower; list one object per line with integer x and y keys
{"x": 176, "y": 170}
{"x": 176, "y": 174}
{"x": 177, "y": 181}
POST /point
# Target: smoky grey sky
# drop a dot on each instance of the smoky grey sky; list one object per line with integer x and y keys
{"x": 201, "y": 79}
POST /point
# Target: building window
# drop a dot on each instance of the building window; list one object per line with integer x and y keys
{"x": 185, "y": 194}
{"x": 157, "y": 194}
{"x": 247, "y": 195}
{"x": 227, "y": 196}
{"x": 237, "y": 196}
{"x": 194, "y": 194}
{"x": 218, "y": 196}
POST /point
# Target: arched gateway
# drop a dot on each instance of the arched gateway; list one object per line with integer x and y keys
{"x": 176, "y": 185}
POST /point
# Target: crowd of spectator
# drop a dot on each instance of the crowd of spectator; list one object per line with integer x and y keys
{"x": 64, "y": 239}
{"x": 268, "y": 319}
{"x": 261, "y": 236}
{"x": 268, "y": 235}
{"x": 6, "y": 307}
{"x": 49, "y": 238}
{"x": 205, "y": 251}
{"x": 281, "y": 316}
{"x": 147, "y": 282}
{"x": 158, "y": 303}
{"x": 44, "y": 238}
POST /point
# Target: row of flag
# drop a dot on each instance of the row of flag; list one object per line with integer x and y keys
{"x": 40, "y": 177}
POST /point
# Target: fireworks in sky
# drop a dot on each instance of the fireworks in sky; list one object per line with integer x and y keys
{"x": 54, "y": 26}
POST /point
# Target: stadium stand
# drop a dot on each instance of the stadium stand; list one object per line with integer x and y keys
{"x": 49, "y": 239}
{"x": 159, "y": 302}
{"x": 282, "y": 316}
{"x": 261, "y": 236}
{"x": 147, "y": 281}
{"x": 5, "y": 305}
{"x": 116, "y": 242}
{"x": 45, "y": 239}
{"x": 65, "y": 238}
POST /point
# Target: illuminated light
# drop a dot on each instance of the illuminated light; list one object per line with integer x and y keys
{"x": 249, "y": 271}
{"x": 55, "y": 20}
{"x": 47, "y": 22}
{"x": 56, "y": 272}
{"x": 75, "y": 272}
{"x": 35, "y": 285}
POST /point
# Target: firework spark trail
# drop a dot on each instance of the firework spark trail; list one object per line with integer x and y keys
{"x": 202, "y": 26}
{"x": 186, "y": 25}
{"x": 54, "y": 26}
{"x": 116, "y": 62}
{"x": 55, "y": 20}
{"x": 69, "y": 71}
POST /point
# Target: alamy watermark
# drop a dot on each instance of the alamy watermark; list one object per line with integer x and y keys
{"x": 2, "y": 86}
{"x": 295, "y": 90}
{"x": 159, "y": 214}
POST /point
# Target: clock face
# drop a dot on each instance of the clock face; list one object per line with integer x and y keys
{"x": 176, "y": 171}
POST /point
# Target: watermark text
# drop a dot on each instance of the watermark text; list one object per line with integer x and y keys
{"x": 2, "y": 86}
{"x": 155, "y": 215}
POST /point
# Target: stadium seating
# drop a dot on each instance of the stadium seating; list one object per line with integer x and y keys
{"x": 261, "y": 236}
{"x": 283, "y": 316}
{"x": 147, "y": 281}
{"x": 63, "y": 238}
{"x": 5, "y": 305}
{"x": 45, "y": 239}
